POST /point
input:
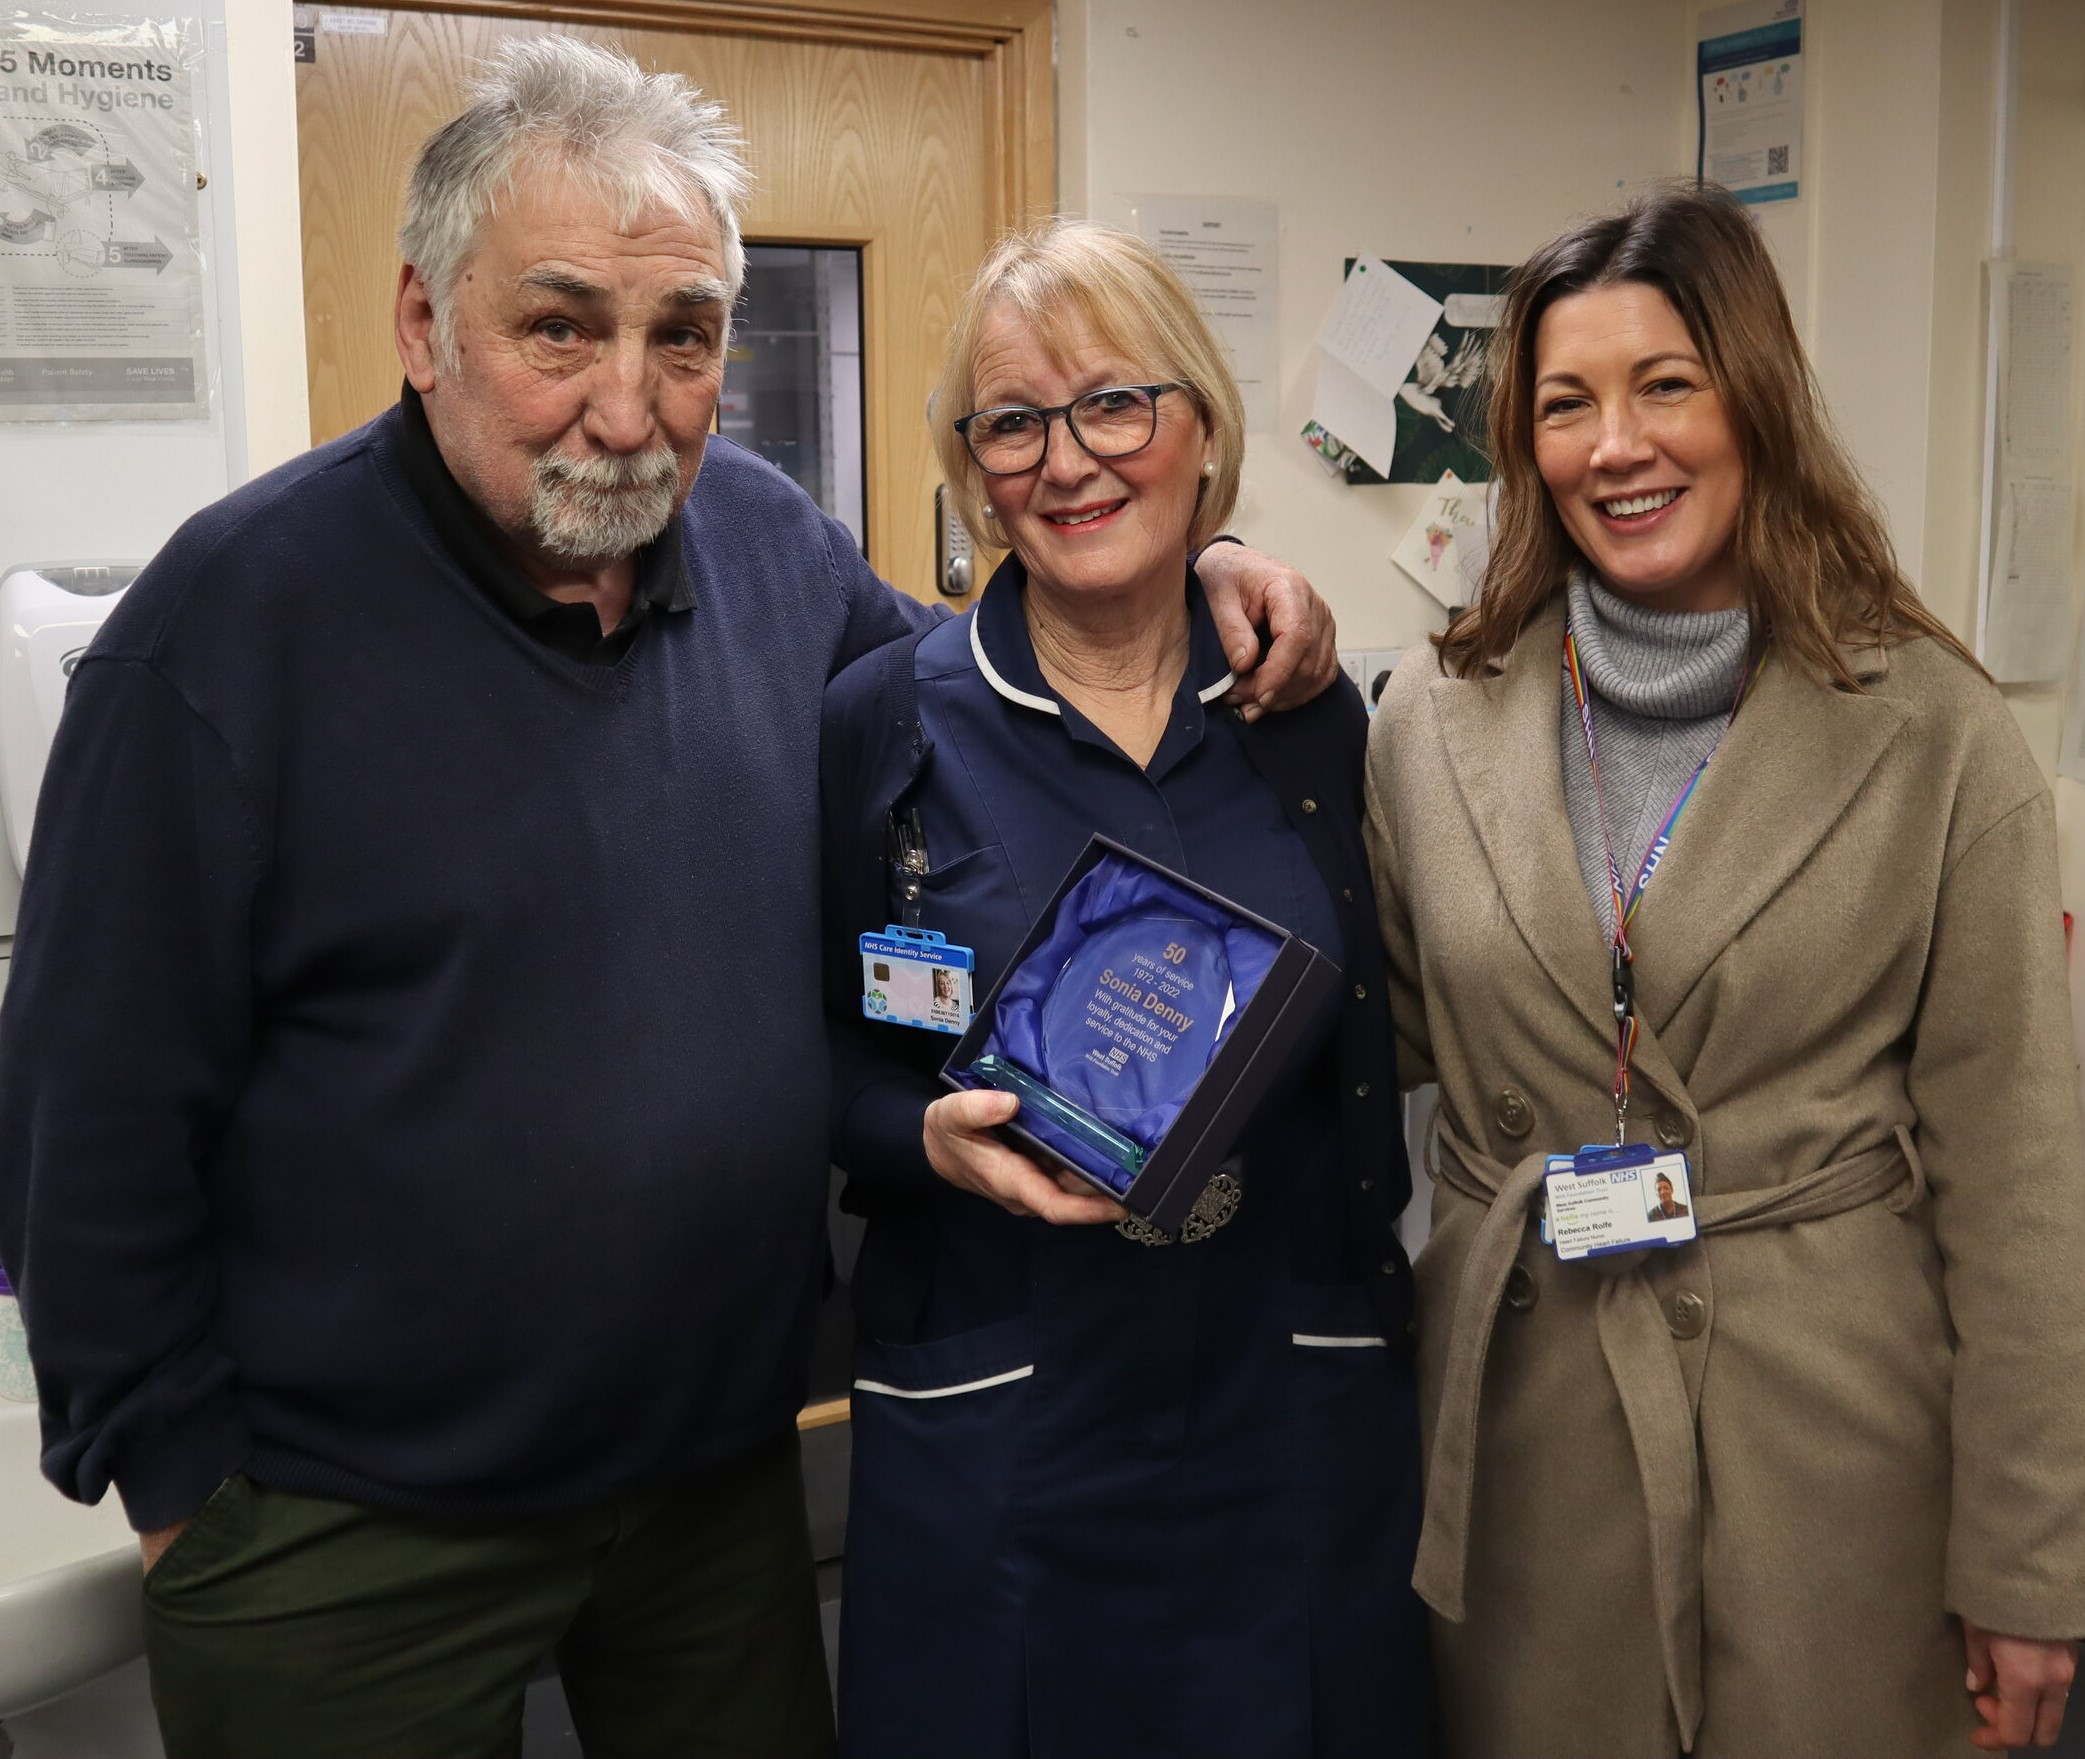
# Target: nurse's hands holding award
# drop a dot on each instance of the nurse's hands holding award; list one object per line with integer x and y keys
{"x": 962, "y": 1149}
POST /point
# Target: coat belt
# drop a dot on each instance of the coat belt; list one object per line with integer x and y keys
{"x": 1640, "y": 1358}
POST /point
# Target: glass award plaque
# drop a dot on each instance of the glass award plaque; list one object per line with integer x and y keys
{"x": 1110, "y": 1019}
{"x": 1140, "y": 1023}
{"x": 1135, "y": 1012}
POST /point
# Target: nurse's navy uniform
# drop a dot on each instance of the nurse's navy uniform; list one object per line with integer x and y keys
{"x": 1113, "y": 1500}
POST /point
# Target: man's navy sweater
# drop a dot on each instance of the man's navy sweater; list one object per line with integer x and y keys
{"x": 412, "y": 1084}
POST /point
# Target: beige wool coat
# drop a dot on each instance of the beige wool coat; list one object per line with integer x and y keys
{"x": 1726, "y": 1498}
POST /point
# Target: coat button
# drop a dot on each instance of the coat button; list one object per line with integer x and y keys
{"x": 1513, "y": 1113}
{"x": 1346, "y": 894}
{"x": 1673, "y": 1129}
{"x": 1360, "y": 1089}
{"x": 1389, "y": 1267}
{"x": 1686, "y": 1314}
{"x": 1360, "y": 992}
{"x": 1521, "y": 1293}
{"x": 1368, "y": 1184}
{"x": 1310, "y": 806}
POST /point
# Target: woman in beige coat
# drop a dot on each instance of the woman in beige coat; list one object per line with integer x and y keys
{"x": 1813, "y": 1483}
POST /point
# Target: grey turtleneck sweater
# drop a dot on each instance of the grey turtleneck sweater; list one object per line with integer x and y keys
{"x": 1661, "y": 685}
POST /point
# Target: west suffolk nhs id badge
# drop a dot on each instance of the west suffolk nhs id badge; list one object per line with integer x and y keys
{"x": 915, "y": 977}
{"x": 1603, "y": 1200}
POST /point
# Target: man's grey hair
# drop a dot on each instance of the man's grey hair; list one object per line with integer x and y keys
{"x": 646, "y": 141}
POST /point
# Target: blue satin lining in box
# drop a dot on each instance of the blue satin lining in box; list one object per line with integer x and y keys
{"x": 1112, "y": 890}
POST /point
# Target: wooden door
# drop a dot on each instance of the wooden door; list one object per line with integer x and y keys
{"x": 915, "y": 130}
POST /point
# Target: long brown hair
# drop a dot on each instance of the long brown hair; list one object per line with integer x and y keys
{"x": 1811, "y": 545}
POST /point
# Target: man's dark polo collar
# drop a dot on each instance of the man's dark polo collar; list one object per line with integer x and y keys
{"x": 573, "y": 630}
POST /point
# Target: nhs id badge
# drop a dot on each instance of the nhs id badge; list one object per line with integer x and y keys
{"x": 1602, "y": 1200}
{"x": 914, "y": 977}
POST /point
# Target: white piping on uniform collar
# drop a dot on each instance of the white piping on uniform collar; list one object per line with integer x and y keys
{"x": 1028, "y": 699}
{"x": 984, "y": 665}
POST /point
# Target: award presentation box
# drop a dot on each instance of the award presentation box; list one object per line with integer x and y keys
{"x": 1147, "y": 1010}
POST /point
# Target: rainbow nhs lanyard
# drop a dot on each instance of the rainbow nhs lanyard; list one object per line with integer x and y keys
{"x": 1625, "y": 904}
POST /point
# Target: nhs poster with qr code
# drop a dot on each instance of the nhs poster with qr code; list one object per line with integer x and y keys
{"x": 1750, "y": 64}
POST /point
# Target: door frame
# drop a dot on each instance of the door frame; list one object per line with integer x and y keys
{"x": 1014, "y": 38}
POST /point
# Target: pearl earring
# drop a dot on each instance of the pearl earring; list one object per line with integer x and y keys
{"x": 1209, "y": 467}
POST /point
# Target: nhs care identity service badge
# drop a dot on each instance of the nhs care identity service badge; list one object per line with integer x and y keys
{"x": 915, "y": 977}
{"x": 1603, "y": 1200}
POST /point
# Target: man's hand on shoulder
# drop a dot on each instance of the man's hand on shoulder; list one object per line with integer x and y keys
{"x": 1248, "y": 591}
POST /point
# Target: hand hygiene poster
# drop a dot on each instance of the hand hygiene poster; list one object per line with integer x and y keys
{"x": 101, "y": 297}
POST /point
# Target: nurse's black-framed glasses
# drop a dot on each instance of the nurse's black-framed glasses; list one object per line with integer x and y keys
{"x": 1112, "y": 422}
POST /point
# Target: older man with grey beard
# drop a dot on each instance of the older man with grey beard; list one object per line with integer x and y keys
{"x": 412, "y": 1085}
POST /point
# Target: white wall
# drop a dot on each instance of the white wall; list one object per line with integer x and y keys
{"x": 1473, "y": 132}
{"x": 1406, "y": 128}
{"x": 262, "y": 137}
{"x": 1870, "y": 158}
{"x": 2049, "y": 226}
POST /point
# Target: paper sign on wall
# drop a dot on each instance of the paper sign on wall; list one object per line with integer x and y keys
{"x": 1365, "y": 351}
{"x": 101, "y": 282}
{"x": 1227, "y": 253}
{"x": 1445, "y": 550}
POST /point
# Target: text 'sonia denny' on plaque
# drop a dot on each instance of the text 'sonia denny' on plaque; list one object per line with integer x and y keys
{"x": 1134, "y": 1015}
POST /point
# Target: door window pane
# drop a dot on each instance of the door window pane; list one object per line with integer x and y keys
{"x": 793, "y": 388}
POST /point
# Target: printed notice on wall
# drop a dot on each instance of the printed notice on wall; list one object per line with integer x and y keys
{"x": 1226, "y": 252}
{"x": 101, "y": 286}
{"x": 1749, "y": 66}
